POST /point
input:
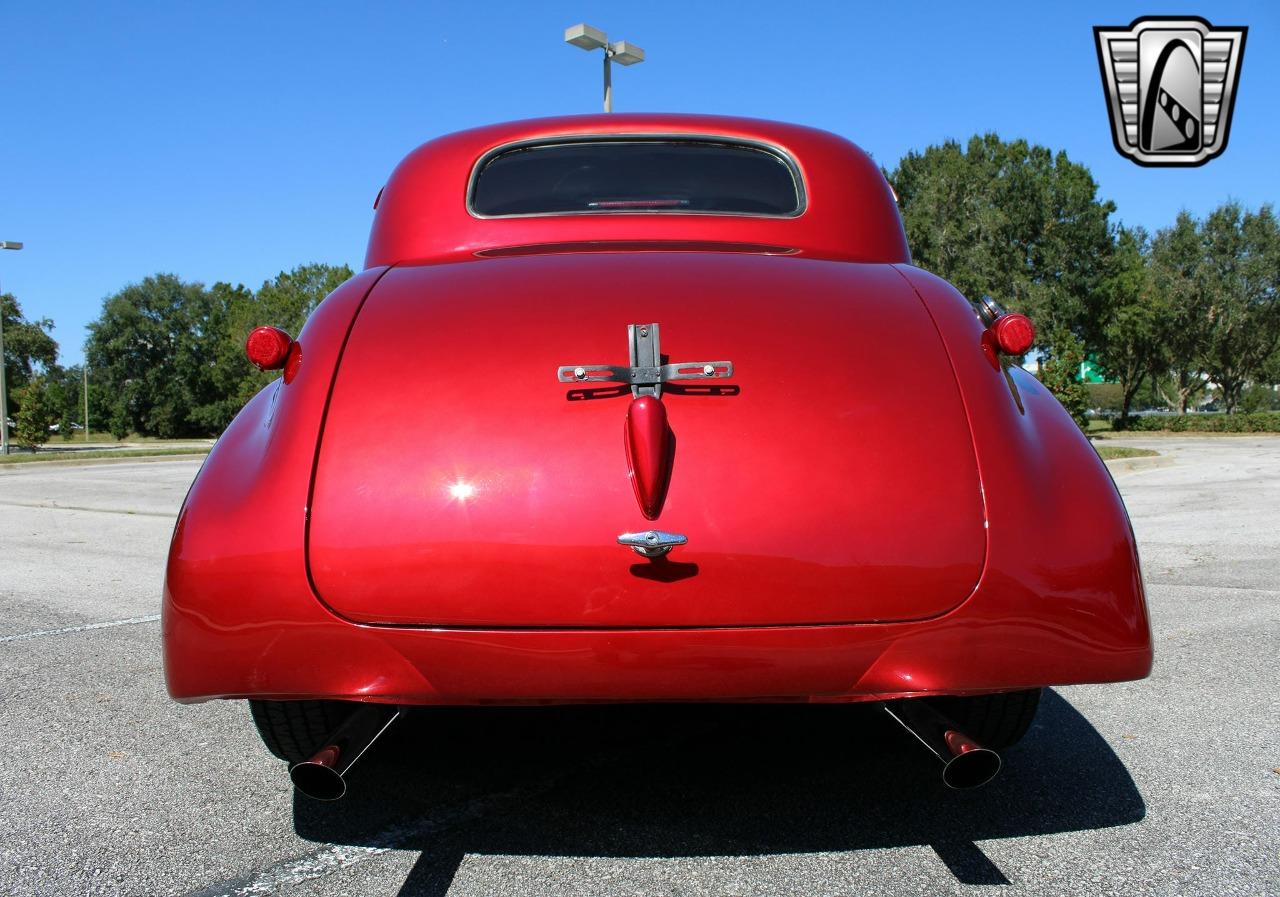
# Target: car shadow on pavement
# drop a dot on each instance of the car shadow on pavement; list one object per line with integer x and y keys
{"x": 706, "y": 780}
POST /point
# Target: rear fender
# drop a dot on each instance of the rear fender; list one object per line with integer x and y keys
{"x": 237, "y": 549}
{"x": 1059, "y": 538}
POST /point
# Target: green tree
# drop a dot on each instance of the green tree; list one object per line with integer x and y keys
{"x": 36, "y": 413}
{"x": 1183, "y": 305}
{"x": 1131, "y": 333}
{"x": 28, "y": 347}
{"x": 1271, "y": 370}
{"x": 166, "y": 358}
{"x": 1240, "y": 282}
{"x": 285, "y": 301}
{"x": 230, "y": 368}
{"x": 151, "y": 350}
{"x": 288, "y": 299}
{"x": 66, "y": 393}
{"x": 1014, "y": 221}
{"x": 1259, "y": 397}
{"x": 1060, "y": 374}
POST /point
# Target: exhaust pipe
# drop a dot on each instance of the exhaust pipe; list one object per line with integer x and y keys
{"x": 323, "y": 777}
{"x": 965, "y": 763}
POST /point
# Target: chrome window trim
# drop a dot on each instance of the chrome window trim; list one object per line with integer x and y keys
{"x": 797, "y": 178}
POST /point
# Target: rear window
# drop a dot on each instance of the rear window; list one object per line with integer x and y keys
{"x": 633, "y": 176}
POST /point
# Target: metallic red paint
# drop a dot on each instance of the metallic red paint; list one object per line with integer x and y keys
{"x": 647, "y": 439}
{"x": 864, "y": 523}
{"x": 834, "y": 472}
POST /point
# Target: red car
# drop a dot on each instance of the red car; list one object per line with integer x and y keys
{"x": 647, "y": 408}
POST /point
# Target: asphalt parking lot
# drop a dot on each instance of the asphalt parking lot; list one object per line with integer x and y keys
{"x": 1166, "y": 786}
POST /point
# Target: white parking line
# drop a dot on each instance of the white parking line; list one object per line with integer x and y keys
{"x": 149, "y": 618}
{"x": 337, "y": 857}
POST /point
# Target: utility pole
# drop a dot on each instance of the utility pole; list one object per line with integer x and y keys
{"x": 4, "y": 387}
{"x": 86, "y": 400}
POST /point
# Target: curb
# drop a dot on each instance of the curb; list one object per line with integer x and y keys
{"x": 95, "y": 462}
{"x": 1139, "y": 435}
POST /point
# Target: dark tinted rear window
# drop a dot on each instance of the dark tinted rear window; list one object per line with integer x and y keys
{"x": 637, "y": 176}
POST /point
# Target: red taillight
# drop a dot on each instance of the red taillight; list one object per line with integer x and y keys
{"x": 267, "y": 348}
{"x": 1014, "y": 333}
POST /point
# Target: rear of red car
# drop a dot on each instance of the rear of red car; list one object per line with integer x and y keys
{"x": 865, "y": 502}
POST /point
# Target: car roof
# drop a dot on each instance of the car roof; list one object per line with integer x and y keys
{"x": 422, "y": 213}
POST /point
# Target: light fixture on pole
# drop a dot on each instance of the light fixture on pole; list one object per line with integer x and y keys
{"x": 621, "y": 52}
{"x": 4, "y": 390}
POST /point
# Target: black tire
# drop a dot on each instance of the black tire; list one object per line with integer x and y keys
{"x": 294, "y": 730}
{"x": 994, "y": 721}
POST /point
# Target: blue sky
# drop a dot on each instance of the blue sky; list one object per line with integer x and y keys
{"x": 229, "y": 141}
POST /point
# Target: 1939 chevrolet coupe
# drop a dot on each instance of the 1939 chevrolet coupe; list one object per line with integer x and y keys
{"x": 647, "y": 408}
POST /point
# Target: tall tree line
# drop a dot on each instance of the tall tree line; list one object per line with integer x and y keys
{"x": 1163, "y": 314}
{"x": 165, "y": 357}
{"x": 1198, "y": 302}
{"x": 169, "y": 358}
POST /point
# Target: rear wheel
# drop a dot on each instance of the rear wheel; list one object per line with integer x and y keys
{"x": 994, "y": 721}
{"x": 294, "y": 730}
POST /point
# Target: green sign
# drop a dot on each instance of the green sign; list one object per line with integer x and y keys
{"x": 1090, "y": 372}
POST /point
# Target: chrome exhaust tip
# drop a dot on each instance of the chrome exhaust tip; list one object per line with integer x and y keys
{"x": 971, "y": 769}
{"x": 965, "y": 763}
{"x": 323, "y": 776}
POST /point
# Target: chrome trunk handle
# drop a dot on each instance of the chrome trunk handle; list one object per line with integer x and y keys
{"x": 652, "y": 543}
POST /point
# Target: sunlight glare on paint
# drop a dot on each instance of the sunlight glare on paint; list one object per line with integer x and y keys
{"x": 462, "y": 490}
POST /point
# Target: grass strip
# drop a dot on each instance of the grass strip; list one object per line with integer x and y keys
{"x": 1112, "y": 452}
{"x": 37, "y": 457}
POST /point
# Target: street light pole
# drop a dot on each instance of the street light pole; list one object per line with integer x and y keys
{"x": 588, "y": 38}
{"x": 4, "y": 392}
{"x": 608, "y": 83}
{"x": 4, "y": 388}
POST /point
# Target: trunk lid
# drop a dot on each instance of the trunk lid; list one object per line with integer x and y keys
{"x": 832, "y": 479}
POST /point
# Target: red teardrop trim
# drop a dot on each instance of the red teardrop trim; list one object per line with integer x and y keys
{"x": 648, "y": 442}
